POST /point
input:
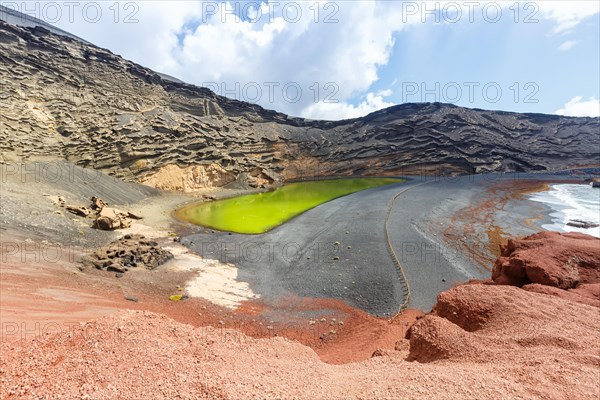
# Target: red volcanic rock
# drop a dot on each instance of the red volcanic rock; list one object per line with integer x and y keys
{"x": 487, "y": 323}
{"x": 562, "y": 260}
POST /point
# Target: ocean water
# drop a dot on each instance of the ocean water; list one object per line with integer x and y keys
{"x": 569, "y": 202}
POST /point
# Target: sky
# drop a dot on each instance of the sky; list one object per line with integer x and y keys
{"x": 343, "y": 59}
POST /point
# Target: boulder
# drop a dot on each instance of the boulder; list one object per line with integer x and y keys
{"x": 577, "y": 223}
{"x": 569, "y": 262}
{"x": 111, "y": 218}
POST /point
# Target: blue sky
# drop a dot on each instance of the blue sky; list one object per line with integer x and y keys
{"x": 346, "y": 59}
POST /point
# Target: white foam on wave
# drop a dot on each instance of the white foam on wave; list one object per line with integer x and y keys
{"x": 571, "y": 202}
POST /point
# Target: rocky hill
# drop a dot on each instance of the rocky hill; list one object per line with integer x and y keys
{"x": 63, "y": 98}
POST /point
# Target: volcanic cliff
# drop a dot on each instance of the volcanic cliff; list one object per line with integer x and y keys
{"x": 63, "y": 98}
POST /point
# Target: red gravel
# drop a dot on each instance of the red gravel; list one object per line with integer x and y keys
{"x": 482, "y": 341}
{"x": 514, "y": 346}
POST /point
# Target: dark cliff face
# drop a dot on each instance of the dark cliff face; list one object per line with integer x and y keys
{"x": 67, "y": 99}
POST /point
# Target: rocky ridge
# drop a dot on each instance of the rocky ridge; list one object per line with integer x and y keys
{"x": 63, "y": 98}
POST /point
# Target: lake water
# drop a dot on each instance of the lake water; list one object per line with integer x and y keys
{"x": 259, "y": 213}
{"x": 570, "y": 202}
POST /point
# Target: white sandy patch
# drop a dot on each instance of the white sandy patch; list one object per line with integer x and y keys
{"x": 216, "y": 282}
{"x": 144, "y": 230}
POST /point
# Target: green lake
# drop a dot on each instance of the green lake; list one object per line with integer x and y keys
{"x": 261, "y": 212}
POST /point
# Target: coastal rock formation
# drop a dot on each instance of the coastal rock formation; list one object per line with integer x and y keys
{"x": 480, "y": 321}
{"x": 577, "y": 223}
{"x": 63, "y": 98}
{"x": 460, "y": 324}
{"x": 562, "y": 260}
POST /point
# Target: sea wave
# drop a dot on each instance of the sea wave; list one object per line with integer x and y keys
{"x": 571, "y": 202}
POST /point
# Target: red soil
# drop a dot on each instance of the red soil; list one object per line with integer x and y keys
{"x": 482, "y": 340}
{"x": 39, "y": 297}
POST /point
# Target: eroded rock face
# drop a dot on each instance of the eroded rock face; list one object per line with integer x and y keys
{"x": 562, "y": 260}
{"x": 63, "y": 98}
{"x": 189, "y": 179}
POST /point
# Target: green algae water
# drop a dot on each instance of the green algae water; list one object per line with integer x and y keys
{"x": 259, "y": 213}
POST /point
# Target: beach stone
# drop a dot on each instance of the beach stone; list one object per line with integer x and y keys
{"x": 582, "y": 224}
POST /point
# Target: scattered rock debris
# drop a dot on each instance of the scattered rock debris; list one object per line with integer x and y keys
{"x": 131, "y": 251}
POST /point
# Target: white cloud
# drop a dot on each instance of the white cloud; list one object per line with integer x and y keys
{"x": 330, "y": 50}
{"x": 291, "y": 65}
{"x": 567, "y": 14}
{"x": 568, "y": 45}
{"x": 577, "y": 107}
{"x": 338, "y": 61}
{"x": 343, "y": 110}
{"x": 141, "y": 31}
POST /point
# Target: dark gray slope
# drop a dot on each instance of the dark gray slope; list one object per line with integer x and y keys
{"x": 15, "y": 17}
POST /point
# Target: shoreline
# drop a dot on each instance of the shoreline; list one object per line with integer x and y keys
{"x": 503, "y": 211}
{"x": 567, "y": 203}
